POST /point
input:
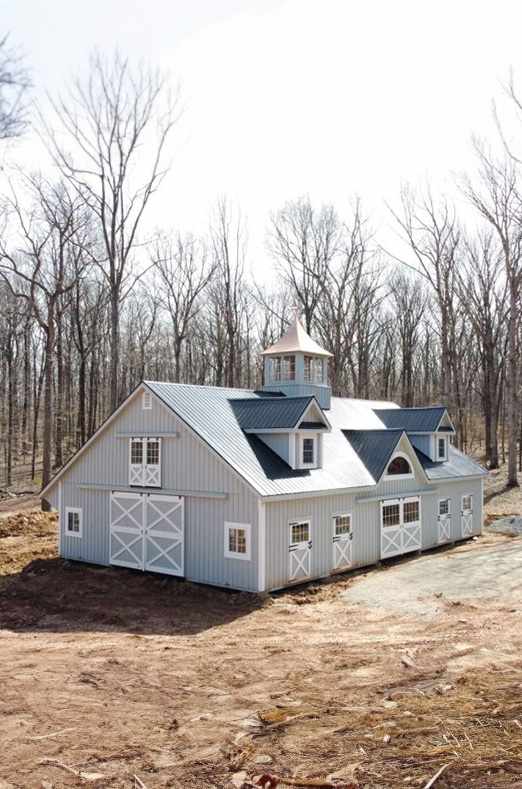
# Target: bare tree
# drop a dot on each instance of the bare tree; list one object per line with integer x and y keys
{"x": 184, "y": 273}
{"x": 108, "y": 138}
{"x": 408, "y": 304}
{"x": 497, "y": 198}
{"x": 14, "y": 84}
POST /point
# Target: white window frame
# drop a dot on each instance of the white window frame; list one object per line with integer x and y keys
{"x": 300, "y": 521}
{"x": 466, "y": 496}
{"x": 437, "y": 440}
{"x": 342, "y": 515}
{"x": 247, "y": 527}
{"x": 146, "y": 400}
{"x": 144, "y": 440}
{"x": 448, "y": 513}
{"x": 300, "y": 447}
{"x": 313, "y": 439}
{"x": 400, "y": 503}
{"x": 399, "y": 476}
{"x": 73, "y": 511}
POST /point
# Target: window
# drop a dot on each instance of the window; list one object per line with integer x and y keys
{"x": 283, "y": 368}
{"x": 391, "y": 514}
{"x": 467, "y": 502}
{"x": 146, "y": 401}
{"x": 73, "y": 522}
{"x": 300, "y": 531}
{"x": 237, "y": 540}
{"x": 136, "y": 451}
{"x": 400, "y": 512}
{"x": 308, "y": 451}
{"x": 342, "y": 524}
{"x": 444, "y": 507}
{"x": 153, "y": 452}
{"x": 399, "y": 466}
{"x": 441, "y": 449}
{"x": 145, "y": 462}
{"x": 411, "y": 511}
{"x": 314, "y": 369}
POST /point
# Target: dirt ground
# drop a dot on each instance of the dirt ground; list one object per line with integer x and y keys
{"x": 111, "y": 678}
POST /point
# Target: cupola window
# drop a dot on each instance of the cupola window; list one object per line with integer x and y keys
{"x": 314, "y": 370}
{"x": 283, "y": 368}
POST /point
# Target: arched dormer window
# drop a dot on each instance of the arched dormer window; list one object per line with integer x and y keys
{"x": 399, "y": 466}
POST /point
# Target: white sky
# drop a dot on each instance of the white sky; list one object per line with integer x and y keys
{"x": 285, "y": 97}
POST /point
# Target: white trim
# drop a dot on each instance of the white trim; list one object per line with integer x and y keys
{"x": 301, "y": 439}
{"x": 232, "y": 554}
{"x": 201, "y": 494}
{"x": 448, "y": 499}
{"x": 74, "y": 511}
{"x": 157, "y": 434}
{"x": 292, "y": 440}
{"x": 392, "y": 477}
{"x": 146, "y": 400}
{"x": 307, "y": 520}
{"x": 261, "y": 540}
{"x": 145, "y": 467}
{"x": 60, "y": 518}
{"x": 438, "y": 439}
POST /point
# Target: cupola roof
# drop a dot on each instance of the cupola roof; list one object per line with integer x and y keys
{"x": 296, "y": 340}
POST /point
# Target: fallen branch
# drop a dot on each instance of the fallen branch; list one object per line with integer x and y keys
{"x": 437, "y": 775}
{"x": 138, "y": 783}
{"x": 52, "y": 734}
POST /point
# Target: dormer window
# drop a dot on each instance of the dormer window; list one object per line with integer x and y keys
{"x": 283, "y": 368}
{"x": 442, "y": 448}
{"x": 399, "y": 468}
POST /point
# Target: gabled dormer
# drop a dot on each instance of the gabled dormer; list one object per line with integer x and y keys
{"x": 297, "y": 366}
{"x": 429, "y": 429}
{"x": 292, "y": 427}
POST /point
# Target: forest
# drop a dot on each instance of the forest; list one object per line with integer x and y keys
{"x": 91, "y": 302}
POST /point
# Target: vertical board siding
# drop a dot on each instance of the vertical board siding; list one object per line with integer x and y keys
{"x": 366, "y": 524}
{"x": 187, "y": 465}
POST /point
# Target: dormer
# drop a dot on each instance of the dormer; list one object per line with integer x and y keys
{"x": 297, "y": 366}
{"x": 292, "y": 427}
{"x": 429, "y": 429}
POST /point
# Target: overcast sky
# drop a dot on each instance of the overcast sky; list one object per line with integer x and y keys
{"x": 286, "y": 97}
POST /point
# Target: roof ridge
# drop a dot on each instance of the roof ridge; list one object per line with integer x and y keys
{"x": 412, "y": 408}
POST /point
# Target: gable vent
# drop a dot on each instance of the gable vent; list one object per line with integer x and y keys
{"x": 146, "y": 401}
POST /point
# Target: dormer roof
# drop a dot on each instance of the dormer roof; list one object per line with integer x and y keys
{"x": 416, "y": 420}
{"x": 296, "y": 340}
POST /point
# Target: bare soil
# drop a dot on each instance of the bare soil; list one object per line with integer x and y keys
{"x": 113, "y": 678}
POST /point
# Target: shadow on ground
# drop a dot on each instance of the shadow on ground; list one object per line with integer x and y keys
{"x": 61, "y": 596}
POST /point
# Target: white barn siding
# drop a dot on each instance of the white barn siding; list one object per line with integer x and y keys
{"x": 187, "y": 465}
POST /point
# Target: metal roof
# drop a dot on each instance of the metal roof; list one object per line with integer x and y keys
{"x": 296, "y": 340}
{"x": 264, "y": 413}
{"x": 374, "y": 447}
{"x": 421, "y": 420}
{"x": 457, "y": 465}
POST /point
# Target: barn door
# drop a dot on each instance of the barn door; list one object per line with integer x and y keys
{"x": 400, "y": 526}
{"x": 146, "y": 532}
{"x": 299, "y": 551}
{"x": 466, "y": 518}
{"x": 444, "y": 521}
{"x": 164, "y": 527}
{"x": 342, "y": 542}
{"x": 126, "y": 529}
{"x": 411, "y": 528}
{"x": 145, "y": 462}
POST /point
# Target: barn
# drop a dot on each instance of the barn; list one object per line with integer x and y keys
{"x": 259, "y": 490}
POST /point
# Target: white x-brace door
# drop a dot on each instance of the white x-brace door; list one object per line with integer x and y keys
{"x": 404, "y": 537}
{"x": 342, "y": 548}
{"x": 466, "y": 518}
{"x": 147, "y": 532}
{"x": 443, "y": 527}
{"x": 299, "y": 554}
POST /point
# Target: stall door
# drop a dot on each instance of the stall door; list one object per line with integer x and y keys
{"x": 444, "y": 521}
{"x": 300, "y": 551}
{"x": 466, "y": 518}
{"x": 342, "y": 542}
{"x": 147, "y": 532}
{"x": 400, "y": 526}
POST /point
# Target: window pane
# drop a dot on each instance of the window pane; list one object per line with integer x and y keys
{"x": 300, "y": 532}
{"x": 237, "y": 540}
{"x": 391, "y": 515}
{"x": 137, "y": 452}
{"x": 307, "y": 369}
{"x": 442, "y": 447}
{"x": 152, "y": 452}
{"x": 73, "y": 522}
{"x": 444, "y": 507}
{"x": 399, "y": 465}
{"x": 466, "y": 502}
{"x": 288, "y": 368}
{"x": 411, "y": 512}
{"x": 343, "y": 524}
{"x": 308, "y": 450}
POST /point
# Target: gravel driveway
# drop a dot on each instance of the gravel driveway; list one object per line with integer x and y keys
{"x": 421, "y": 585}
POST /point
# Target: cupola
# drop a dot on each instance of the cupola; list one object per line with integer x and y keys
{"x": 297, "y": 366}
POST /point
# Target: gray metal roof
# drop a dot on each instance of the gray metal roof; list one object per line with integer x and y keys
{"x": 374, "y": 447}
{"x": 422, "y": 420}
{"x": 457, "y": 465}
{"x": 264, "y": 413}
{"x": 210, "y": 413}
